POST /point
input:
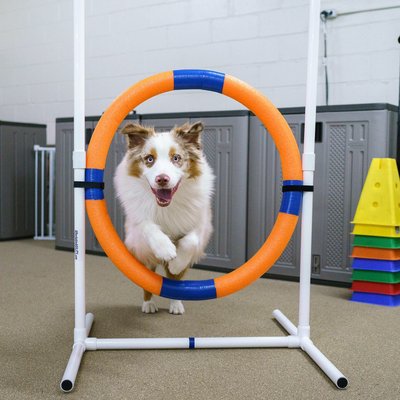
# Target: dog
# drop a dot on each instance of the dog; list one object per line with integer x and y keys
{"x": 165, "y": 186}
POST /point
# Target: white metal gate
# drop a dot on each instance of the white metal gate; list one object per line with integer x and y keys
{"x": 44, "y": 196}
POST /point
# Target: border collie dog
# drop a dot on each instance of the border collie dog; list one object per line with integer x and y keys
{"x": 165, "y": 187}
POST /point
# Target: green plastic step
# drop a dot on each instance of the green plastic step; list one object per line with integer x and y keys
{"x": 377, "y": 241}
{"x": 376, "y": 276}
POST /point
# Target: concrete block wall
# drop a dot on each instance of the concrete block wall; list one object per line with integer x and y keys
{"x": 262, "y": 42}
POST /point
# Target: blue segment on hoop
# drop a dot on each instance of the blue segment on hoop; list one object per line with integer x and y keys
{"x": 291, "y": 201}
{"x": 198, "y": 79}
{"x": 94, "y": 175}
{"x": 188, "y": 290}
{"x": 191, "y": 343}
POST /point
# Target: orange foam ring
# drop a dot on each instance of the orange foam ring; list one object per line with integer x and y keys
{"x": 273, "y": 120}
{"x": 117, "y": 251}
{"x": 291, "y": 170}
{"x": 262, "y": 261}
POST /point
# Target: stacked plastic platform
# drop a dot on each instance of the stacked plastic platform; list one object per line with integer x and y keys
{"x": 376, "y": 251}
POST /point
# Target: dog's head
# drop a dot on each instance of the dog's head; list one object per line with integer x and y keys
{"x": 163, "y": 159}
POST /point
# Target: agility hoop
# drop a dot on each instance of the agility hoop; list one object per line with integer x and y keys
{"x": 292, "y": 186}
{"x": 88, "y": 176}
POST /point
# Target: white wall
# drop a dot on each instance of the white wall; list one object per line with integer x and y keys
{"x": 263, "y": 42}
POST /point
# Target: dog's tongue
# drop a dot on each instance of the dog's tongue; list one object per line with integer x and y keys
{"x": 164, "y": 194}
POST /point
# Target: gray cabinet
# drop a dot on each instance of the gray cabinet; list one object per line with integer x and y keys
{"x": 225, "y": 143}
{"x": 17, "y": 178}
{"x": 248, "y": 182}
{"x": 347, "y": 138}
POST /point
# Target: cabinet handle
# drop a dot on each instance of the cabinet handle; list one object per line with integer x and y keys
{"x": 88, "y": 135}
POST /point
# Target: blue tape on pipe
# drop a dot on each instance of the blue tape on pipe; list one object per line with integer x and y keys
{"x": 94, "y": 175}
{"x": 188, "y": 290}
{"x": 198, "y": 79}
{"x": 191, "y": 343}
{"x": 291, "y": 201}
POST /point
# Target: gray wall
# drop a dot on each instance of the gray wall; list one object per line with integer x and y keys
{"x": 261, "y": 42}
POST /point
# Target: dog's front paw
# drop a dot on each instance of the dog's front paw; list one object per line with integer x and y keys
{"x": 176, "y": 266}
{"x": 149, "y": 307}
{"x": 176, "y": 307}
{"x": 164, "y": 249}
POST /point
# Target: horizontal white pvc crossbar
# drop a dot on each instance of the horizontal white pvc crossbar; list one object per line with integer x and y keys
{"x": 185, "y": 343}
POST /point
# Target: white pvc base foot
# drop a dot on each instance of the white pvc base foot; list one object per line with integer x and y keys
{"x": 315, "y": 354}
{"x": 68, "y": 379}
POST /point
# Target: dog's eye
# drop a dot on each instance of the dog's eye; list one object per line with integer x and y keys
{"x": 176, "y": 158}
{"x": 149, "y": 159}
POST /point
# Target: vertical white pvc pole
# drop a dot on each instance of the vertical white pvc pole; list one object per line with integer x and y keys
{"x": 308, "y": 169}
{"x": 79, "y": 161}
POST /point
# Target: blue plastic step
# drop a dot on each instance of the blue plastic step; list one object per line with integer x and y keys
{"x": 377, "y": 299}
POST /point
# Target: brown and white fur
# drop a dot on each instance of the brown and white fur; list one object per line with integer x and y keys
{"x": 165, "y": 186}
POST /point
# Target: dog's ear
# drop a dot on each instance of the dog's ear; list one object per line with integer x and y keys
{"x": 190, "y": 133}
{"x": 136, "y": 134}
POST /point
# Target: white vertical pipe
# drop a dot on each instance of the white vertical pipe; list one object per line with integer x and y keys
{"x": 79, "y": 167}
{"x": 79, "y": 163}
{"x": 42, "y": 154}
{"x": 51, "y": 191}
{"x": 308, "y": 168}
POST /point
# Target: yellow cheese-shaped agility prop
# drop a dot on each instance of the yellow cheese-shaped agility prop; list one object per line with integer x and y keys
{"x": 378, "y": 210}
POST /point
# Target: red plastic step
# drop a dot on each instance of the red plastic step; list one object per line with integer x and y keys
{"x": 376, "y": 287}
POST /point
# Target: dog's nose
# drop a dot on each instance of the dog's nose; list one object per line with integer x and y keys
{"x": 162, "y": 179}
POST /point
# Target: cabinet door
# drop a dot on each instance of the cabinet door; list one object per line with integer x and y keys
{"x": 264, "y": 196}
{"x": 17, "y": 169}
{"x": 65, "y": 186}
{"x": 225, "y": 142}
{"x": 345, "y": 144}
{"x": 340, "y": 171}
{"x": 163, "y": 124}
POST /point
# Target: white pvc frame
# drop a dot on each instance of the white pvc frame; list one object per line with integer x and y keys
{"x": 299, "y": 337}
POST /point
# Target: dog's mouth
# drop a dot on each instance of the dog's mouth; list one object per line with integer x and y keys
{"x": 164, "y": 196}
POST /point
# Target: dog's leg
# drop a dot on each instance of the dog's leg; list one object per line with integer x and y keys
{"x": 149, "y": 306}
{"x": 150, "y": 246}
{"x": 188, "y": 251}
{"x": 176, "y": 306}
{"x": 159, "y": 243}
